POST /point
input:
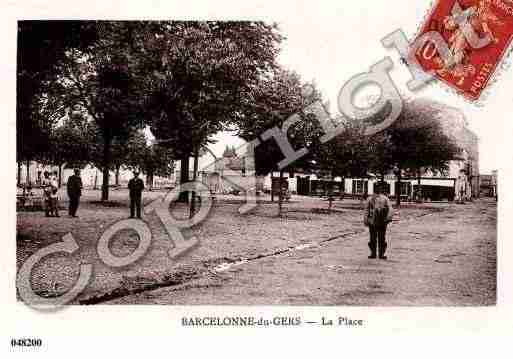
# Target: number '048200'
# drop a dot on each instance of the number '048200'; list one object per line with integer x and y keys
{"x": 26, "y": 342}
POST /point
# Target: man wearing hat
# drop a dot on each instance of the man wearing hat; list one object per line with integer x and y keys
{"x": 74, "y": 187}
{"x": 135, "y": 187}
{"x": 377, "y": 214}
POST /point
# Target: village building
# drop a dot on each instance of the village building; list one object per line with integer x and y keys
{"x": 92, "y": 177}
{"x": 460, "y": 182}
{"x": 488, "y": 184}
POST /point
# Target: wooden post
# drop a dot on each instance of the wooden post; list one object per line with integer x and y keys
{"x": 60, "y": 175}
{"x": 272, "y": 188}
{"x": 280, "y": 194}
{"x": 193, "y": 193}
{"x": 419, "y": 188}
{"x": 107, "y": 141}
{"x": 117, "y": 175}
{"x": 19, "y": 173}
{"x": 27, "y": 179}
{"x": 330, "y": 193}
{"x": 398, "y": 194}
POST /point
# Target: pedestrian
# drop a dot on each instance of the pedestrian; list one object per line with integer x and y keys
{"x": 377, "y": 214}
{"x": 47, "y": 191}
{"x": 74, "y": 192}
{"x": 54, "y": 196}
{"x": 135, "y": 187}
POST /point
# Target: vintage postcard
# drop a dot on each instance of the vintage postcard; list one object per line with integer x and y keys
{"x": 175, "y": 169}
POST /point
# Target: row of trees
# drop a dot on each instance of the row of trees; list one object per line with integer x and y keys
{"x": 76, "y": 142}
{"x": 413, "y": 144}
{"x": 185, "y": 80}
{"x": 101, "y": 82}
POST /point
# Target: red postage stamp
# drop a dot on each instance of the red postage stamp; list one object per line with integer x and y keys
{"x": 472, "y": 65}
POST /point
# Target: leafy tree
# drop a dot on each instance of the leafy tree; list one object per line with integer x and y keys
{"x": 274, "y": 100}
{"x": 70, "y": 143}
{"x": 119, "y": 151}
{"x": 41, "y": 47}
{"x": 380, "y": 154}
{"x": 150, "y": 159}
{"x": 413, "y": 143}
{"x": 104, "y": 78}
{"x": 201, "y": 75}
{"x": 419, "y": 141}
{"x": 346, "y": 155}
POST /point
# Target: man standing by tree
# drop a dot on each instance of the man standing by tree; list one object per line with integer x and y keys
{"x": 135, "y": 187}
{"x": 74, "y": 192}
{"x": 377, "y": 214}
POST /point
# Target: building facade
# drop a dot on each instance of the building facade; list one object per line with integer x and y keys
{"x": 92, "y": 177}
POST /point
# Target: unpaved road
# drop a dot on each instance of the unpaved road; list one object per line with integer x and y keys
{"x": 436, "y": 258}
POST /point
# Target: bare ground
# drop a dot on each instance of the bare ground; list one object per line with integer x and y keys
{"x": 440, "y": 254}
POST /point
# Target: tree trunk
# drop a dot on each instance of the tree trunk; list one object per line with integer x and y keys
{"x": 105, "y": 184}
{"x": 106, "y": 163}
{"x": 330, "y": 194}
{"x": 194, "y": 176}
{"x": 272, "y": 189}
{"x": 60, "y": 175}
{"x": 398, "y": 189}
{"x": 419, "y": 188}
{"x": 27, "y": 180}
{"x": 19, "y": 173}
{"x": 280, "y": 194}
{"x": 117, "y": 175}
{"x": 149, "y": 180}
{"x": 184, "y": 178}
{"x": 95, "y": 179}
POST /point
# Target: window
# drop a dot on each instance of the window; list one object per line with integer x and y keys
{"x": 405, "y": 188}
{"x": 360, "y": 186}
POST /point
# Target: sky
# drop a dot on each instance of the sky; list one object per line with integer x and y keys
{"x": 329, "y": 43}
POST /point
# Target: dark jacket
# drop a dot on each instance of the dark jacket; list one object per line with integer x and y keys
{"x": 373, "y": 206}
{"x": 74, "y": 186}
{"x": 135, "y": 185}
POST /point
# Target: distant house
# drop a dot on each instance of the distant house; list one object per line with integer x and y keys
{"x": 488, "y": 184}
{"x": 461, "y": 180}
{"x": 233, "y": 171}
{"x": 92, "y": 177}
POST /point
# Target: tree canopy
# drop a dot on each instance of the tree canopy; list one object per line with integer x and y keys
{"x": 186, "y": 81}
{"x": 41, "y": 48}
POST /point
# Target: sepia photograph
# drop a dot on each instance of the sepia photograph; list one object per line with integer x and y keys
{"x": 289, "y": 179}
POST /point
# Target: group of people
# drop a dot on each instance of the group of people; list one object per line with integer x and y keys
{"x": 377, "y": 215}
{"x": 50, "y": 186}
{"x": 74, "y": 186}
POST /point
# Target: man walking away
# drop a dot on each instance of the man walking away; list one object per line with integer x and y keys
{"x": 135, "y": 187}
{"x": 377, "y": 214}
{"x": 74, "y": 192}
